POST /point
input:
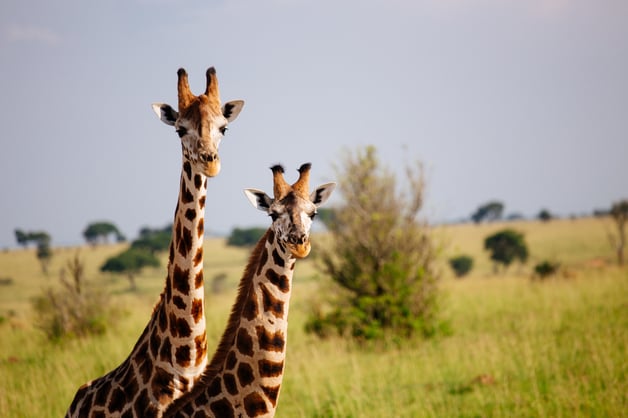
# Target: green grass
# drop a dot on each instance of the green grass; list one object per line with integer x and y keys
{"x": 519, "y": 348}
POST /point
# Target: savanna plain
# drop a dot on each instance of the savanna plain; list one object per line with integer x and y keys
{"x": 513, "y": 346}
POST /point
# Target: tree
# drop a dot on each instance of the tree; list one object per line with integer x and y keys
{"x": 22, "y": 238}
{"x": 130, "y": 262}
{"x": 490, "y": 211}
{"x": 380, "y": 256}
{"x": 100, "y": 231}
{"x": 42, "y": 241}
{"x": 245, "y": 237}
{"x": 619, "y": 214}
{"x": 544, "y": 215}
{"x": 154, "y": 240}
{"x": 506, "y": 246}
{"x": 461, "y": 265}
{"x": 44, "y": 254}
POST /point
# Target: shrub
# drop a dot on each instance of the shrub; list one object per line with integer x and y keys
{"x": 545, "y": 269}
{"x": 380, "y": 256}
{"x": 461, "y": 265}
{"x": 77, "y": 309}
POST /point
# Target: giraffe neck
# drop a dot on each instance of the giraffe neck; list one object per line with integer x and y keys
{"x": 170, "y": 355}
{"x": 245, "y": 374}
{"x": 184, "y": 291}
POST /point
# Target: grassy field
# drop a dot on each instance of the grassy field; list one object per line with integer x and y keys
{"x": 518, "y": 348}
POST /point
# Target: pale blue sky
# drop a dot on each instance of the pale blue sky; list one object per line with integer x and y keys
{"x": 525, "y": 101}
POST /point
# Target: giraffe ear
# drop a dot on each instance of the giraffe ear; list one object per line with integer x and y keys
{"x": 258, "y": 199}
{"x": 322, "y": 193}
{"x": 232, "y": 109}
{"x": 166, "y": 113}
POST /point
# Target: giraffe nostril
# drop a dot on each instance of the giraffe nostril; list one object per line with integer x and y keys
{"x": 298, "y": 239}
{"x": 208, "y": 157}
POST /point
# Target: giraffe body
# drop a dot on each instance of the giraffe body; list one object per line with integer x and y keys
{"x": 171, "y": 353}
{"x": 244, "y": 377}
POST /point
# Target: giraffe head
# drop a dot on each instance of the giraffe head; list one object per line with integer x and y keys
{"x": 292, "y": 208}
{"x": 200, "y": 122}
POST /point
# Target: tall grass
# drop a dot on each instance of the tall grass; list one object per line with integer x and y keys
{"x": 518, "y": 348}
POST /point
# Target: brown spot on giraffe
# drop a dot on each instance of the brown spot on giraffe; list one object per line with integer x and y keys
{"x": 270, "y": 341}
{"x": 255, "y": 405}
{"x": 180, "y": 279}
{"x": 198, "y": 280}
{"x": 246, "y": 375}
{"x": 280, "y": 280}
{"x": 165, "y": 352}
{"x": 271, "y": 392}
{"x": 183, "y": 355}
{"x": 197, "y": 310}
{"x": 200, "y": 229}
{"x": 185, "y": 242}
{"x": 190, "y": 214}
{"x": 232, "y": 360}
{"x": 222, "y": 408}
{"x": 268, "y": 368}
{"x": 250, "y": 310}
{"x": 200, "y": 343}
{"x": 178, "y": 302}
{"x": 244, "y": 342}
{"x": 198, "y": 181}
{"x": 271, "y": 303}
{"x": 230, "y": 383}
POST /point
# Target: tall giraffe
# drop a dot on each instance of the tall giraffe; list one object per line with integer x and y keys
{"x": 244, "y": 376}
{"x": 170, "y": 355}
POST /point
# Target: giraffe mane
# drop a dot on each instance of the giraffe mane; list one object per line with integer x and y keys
{"x": 228, "y": 336}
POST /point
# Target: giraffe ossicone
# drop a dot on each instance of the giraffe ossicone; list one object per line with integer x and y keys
{"x": 244, "y": 376}
{"x": 171, "y": 354}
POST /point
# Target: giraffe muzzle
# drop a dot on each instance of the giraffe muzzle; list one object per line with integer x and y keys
{"x": 210, "y": 162}
{"x": 299, "y": 247}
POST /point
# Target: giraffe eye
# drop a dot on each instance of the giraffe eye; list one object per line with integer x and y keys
{"x": 182, "y": 131}
{"x": 274, "y": 216}
{"x": 313, "y": 215}
{"x": 223, "y": 129}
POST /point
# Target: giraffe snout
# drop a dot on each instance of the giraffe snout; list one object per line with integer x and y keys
{"x": 208, "y": 157}
{"x": 297, "y": 238}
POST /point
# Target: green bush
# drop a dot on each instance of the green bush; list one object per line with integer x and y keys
{"x": 381, "y": 257}
{"x": 546, "y": 269}
{"x": 461, "y": 265}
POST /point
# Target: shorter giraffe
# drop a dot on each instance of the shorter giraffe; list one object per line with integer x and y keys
{"x": 245, "y": 374}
